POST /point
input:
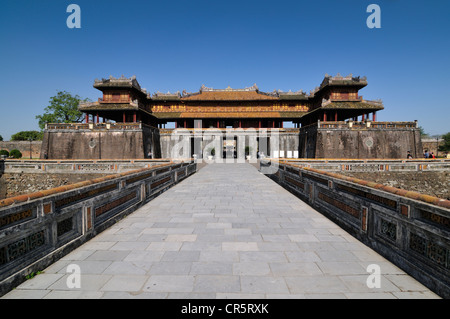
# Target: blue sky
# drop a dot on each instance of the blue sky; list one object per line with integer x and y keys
{"x": 180, "y": 45}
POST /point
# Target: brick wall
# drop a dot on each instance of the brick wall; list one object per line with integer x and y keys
{"x": 23, "y": 147}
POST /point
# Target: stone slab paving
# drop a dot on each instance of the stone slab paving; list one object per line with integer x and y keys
{"x": 226, "y": 232}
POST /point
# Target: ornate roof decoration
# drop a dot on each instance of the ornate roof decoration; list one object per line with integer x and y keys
{"x": 343, "y": 80}
{"x": 119, "y": 82}
{"x": 254, "y": 87}
{"x": 247, "y": 93}
{"x": 166, "y": 96}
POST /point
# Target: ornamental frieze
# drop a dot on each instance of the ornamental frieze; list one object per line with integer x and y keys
{"x": 229, "y": 109}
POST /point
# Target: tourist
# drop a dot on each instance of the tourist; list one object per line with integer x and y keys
{"x": 426, "y": 154}
{"x": 409, "y": 156}
{"x": 432, "y": 155}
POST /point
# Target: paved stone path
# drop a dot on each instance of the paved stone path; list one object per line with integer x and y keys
{"x": 226, "y": 232}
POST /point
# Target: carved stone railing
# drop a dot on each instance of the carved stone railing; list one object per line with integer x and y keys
{"x": 97, "y": 126}
{"x": 77, "y": 166}
{"x": 360, "y": 125}
{"x": 371, "y": 165}
{"x": 225, "y": 130}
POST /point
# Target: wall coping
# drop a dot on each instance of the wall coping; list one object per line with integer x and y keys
{"x": 40, "y": 194}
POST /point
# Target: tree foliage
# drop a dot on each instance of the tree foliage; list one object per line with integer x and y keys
{"x": 446, "y": 146}
{"x": 63, "y": 108}
{"x": 422, "y": 132}
{"x": 27, "y": 135}
{"x": 1, "y": 138}
{"x": 15, "y": 153}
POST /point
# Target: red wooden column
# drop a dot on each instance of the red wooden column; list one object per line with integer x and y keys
{"x": 124, "y": 117}
{"x": 240, "y": 124}
{"x": 363, "y": 117}
{"x": 185, "y": 126}
{"x": 259, "y": 124}
{"x": 134, "y": 117}
{"x": 374, "y": 116}
{"x": 97, "y": 117}
{"x": 324, "y": 116}
{"x": 218, "y": 124}
{"x": 87, "y": 118}
{"x": 335, "y": 116}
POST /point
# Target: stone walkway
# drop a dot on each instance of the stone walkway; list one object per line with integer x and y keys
{"x": 226, "y": 232}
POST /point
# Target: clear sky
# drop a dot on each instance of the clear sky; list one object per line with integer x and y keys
{"x": 180, "y": 45}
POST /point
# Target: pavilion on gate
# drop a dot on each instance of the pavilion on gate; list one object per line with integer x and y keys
{"x": 331, "y": 121}
{"x": 336, "y": 99}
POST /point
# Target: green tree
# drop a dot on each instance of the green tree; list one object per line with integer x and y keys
{"x": 63, "y": 108}
{"x": 27, "y": 135}
{"x": 1, "y": 138}
{"x": 422, "y": 132}
{"x": 15, "y": 153}
{"x": 446, "y": 146}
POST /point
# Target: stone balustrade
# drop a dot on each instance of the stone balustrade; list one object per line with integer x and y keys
{"x": 77, "y": 166}
{"x": 359, "y": 125}
{"x": 96, "y": 126}
{"x": 371, "y": 165}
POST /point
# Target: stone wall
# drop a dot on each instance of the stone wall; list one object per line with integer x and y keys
{"x": 23, "y": 147}
{"x": 362, "y": 140}
{"x": 432, "y": 145}
{"x": 99, "y": 141}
